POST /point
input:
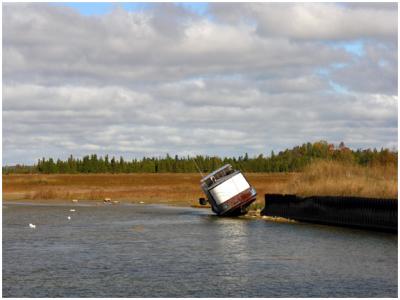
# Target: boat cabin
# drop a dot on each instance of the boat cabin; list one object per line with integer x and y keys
{"x": 227, "y": 191}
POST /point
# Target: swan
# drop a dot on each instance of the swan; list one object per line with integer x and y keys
{"x": 32, "y": 225}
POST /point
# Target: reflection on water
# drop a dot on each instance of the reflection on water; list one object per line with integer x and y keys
{"x": 157, "y": 251}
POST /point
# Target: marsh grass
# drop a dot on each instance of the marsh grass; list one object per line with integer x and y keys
{"x": 320, "y": 178}
{"x": 43, "y": 193}
{"x": 333, "y": 178}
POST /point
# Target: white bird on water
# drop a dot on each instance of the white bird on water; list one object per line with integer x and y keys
{"x": 72, "y": 210}
{"x": 69, "y": 217}
{"x": 32, "y": 225}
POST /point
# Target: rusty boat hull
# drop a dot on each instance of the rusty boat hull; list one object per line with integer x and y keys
{"x": 237, "y": 205}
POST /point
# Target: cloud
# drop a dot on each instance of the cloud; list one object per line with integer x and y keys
{"x": 169, "y": 80}
{"x": 376, "y": 72}
{"x": 42, "y": 47}
{"x": 314, "y": 21}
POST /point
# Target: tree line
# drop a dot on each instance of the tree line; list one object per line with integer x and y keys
{"x": 289, "y": 160}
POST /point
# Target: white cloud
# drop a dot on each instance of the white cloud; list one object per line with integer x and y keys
{"x": 315, "y": 21}
{"x": 245, "y": 80}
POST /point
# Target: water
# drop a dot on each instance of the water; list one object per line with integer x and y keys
{"x": 158, "y": 251}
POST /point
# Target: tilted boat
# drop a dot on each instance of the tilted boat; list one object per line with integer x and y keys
{"x": 227, "y": 191}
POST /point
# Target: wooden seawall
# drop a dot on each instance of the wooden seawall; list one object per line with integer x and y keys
{"x": 369, "y": 213}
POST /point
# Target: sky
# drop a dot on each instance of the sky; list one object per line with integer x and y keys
{"x": 147, "y": 79}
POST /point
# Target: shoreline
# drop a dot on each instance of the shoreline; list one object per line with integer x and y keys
{"x": 253, "y": 214}
{"x": 171, "y": 189}
{"x": 96, "y": 202}
{"x": 168, "y": 189}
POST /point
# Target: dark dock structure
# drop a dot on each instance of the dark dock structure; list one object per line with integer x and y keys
{"x": 367, "y": 213}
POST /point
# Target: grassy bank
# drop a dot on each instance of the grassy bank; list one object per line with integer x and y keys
{"x": 329, "y": 178}
{"x": 320, "y": 178}
{"x": 176, "y": 189}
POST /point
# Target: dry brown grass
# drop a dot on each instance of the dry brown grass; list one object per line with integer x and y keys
{"x": 160, "y": 188}
{"x": 179, "y": 189}
{"x": 323, "y": 178}
{"x": 329, "y": 178}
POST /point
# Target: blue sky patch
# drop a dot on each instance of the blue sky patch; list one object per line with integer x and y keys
{"x": 90, "y": 8}
{"x": 199, "y": 8}
{"x": 356, "y": 47}
{"x": 101, "y": 8}
{"x": 134, "y": 6}
{"x": 338, "y": 88}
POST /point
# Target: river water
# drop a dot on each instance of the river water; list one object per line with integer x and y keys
{"x": 159, "y": 251}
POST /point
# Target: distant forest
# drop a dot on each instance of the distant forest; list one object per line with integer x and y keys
{"x": 289, "y": 160}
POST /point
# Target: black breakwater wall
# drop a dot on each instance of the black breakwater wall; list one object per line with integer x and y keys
{"x": 369, "y": 213}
